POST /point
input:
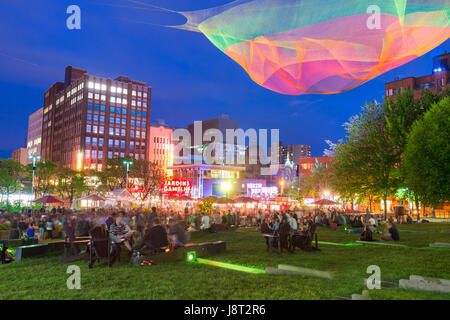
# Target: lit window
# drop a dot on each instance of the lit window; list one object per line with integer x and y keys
{"x": 119, "y": 90}
{"x": 95, "y": 129}
{"x": 97, "y": 86}
{"x": 145, "y": 94}
{"x": 100, "y": 142}
{"x": 94, "y": 142}
{"x": 124, "y": 101}
{"x": 94, "y": 154}
{"x": 125, "y": 91}
{"x": 103, "y": 87}
{"x": 116, "y": 143}
{"x": 113, "y": 99}
{"x": 131, "y": 144}
{"x": 113, "y": 89}
{"x": 111, "y": 131}
{"x": 132, "y": 133}
{"x": 123, "y": 132}
{"x": 118, "y": 100}
{"x": 90, "y": 95}
{"x": 133, "y": 92}
{"x": 88, "y": 128}
{"x": 90, "y": 84}
{"x": 110, "y": 143}
{"x": 88, "y": 141}
{"x": 100, "y": 154}
{"x": 97, "y": 96}
{"x": 110, "y": 154}
{"x": 133, "y": 103}
{"x": 103, "y": 97}
{"x": 117, "y": 132}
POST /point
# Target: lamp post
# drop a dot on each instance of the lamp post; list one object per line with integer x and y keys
{"x": 128, "y": 163}
{"x": 34, "y": 158}
{"x": 282, "y": 187}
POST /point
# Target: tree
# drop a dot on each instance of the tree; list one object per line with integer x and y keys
{"x": 45, "y": 177}
{"x": 148, "y": 177}
{"x": 11, "y": 175}
{"x": 402, "y": 112}
{"x": 367, "y": 158}
{"x": 70, "y": 184}
{"x": 427, "y": 155}
{"x": 113, "y": 175}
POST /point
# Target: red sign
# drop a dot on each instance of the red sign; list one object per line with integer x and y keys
{"x": 135, "y": 189}
{"x": 176, "y": 186}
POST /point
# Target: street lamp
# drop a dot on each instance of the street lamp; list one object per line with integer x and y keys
{"x": 282, "y": 187}
{"x": 128, "y": 163}
{"x": 34, "y": 158}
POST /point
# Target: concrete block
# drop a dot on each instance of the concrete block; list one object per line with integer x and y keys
{"x": 306, "y": 271}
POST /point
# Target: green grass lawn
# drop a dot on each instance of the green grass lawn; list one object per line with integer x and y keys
{"x": 45, "y": 278}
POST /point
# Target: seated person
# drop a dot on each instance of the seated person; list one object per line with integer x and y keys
{"x": 31, "y": 231}
{"x": 177, "y": 233}
{"x": 392, "y": 233}
{"x": 120, "y": 232}
{"x": 155, "y": 237}
{"x": 284, "y": 230}
{"x": 205, "y": 223}
{"x": 366, "y": 235}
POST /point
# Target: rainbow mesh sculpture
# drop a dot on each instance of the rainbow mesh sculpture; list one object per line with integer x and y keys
{"x": 322, "y": 46}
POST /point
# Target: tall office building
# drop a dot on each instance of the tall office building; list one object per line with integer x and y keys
{"x": 87, "y": 119}
{"x": 160, "y": 144}
{"x": 221, "y": 124}
{"x": 34, "y": 134}
{"x": 437, "y": 81}
{"x": 20, "y": 155}
{"x": 294, "y": 152}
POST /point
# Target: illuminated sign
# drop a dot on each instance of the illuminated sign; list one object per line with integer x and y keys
{"x": 176, "y": 186}
{"x": 136, "y": 189}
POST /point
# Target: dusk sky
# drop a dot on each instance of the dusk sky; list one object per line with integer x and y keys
{"x": 190, "y": 77}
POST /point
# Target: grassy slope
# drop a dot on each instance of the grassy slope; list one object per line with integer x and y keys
{"x": 44, "y": 278}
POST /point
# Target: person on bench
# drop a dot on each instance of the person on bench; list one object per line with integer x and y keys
{"x": 155, "y": 237}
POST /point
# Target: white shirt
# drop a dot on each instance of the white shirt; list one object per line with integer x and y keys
{"x": 205, "y": 221}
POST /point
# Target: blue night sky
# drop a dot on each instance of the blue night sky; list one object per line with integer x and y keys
{"x": 191, "y": 78}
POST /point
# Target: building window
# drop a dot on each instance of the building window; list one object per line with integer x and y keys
{"x": 100, "y": 142}
{"x": 124, "y": 121}
{"x": 132, "y": 133}
{"x": 89, "y": 106}
{"x": 110, "y": 154}
{"x": 102, "y": 107}
{"x": 88, "y": 141}
{"x": 101, "y": 130}
{"x": 123, "y": 132}
{"x": 102, "y": 118}
{"x": 94, "y": 154}
{"x": 131, "y": 144}
{"x": 110, "y": 143}
{"x": 95, "y": 129}
{"x": 116, "y": 143}
{"x": 88, "y": 128}
{"x": 111, "y": 131}
{"x": 100, "y": 154}
{"x": 122, "y": 144}
{"x": 89, "y": 116}
{"x": 94, "y": 142}
{"x": 111, "y": 109}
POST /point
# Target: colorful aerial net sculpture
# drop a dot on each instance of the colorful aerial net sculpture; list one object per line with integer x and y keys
{"x": 297, "y": 47}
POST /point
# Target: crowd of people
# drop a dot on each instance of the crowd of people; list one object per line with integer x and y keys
{"x": 158, "y": 228}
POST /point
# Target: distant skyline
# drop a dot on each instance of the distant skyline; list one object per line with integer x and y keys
{"x": 191, "y": 79}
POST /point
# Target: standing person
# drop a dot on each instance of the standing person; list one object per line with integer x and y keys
{"x": 31, "y": 231}
{"x": 41, "y": 226}
{"x": 49, "y": 226}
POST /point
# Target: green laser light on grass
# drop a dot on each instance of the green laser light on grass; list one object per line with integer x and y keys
{"x": 191, "y": 256}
